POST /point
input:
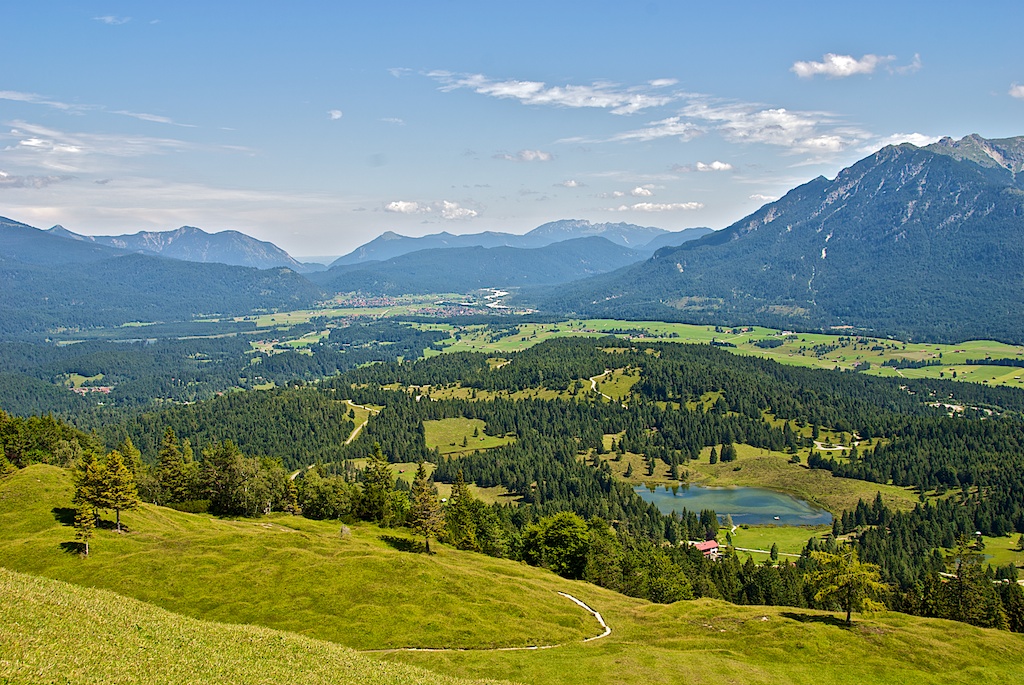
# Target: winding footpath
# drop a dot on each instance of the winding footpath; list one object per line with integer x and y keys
{"x": 581, "y": 603}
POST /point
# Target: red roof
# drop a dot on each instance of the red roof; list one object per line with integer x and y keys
{"x": 707, "y": 546}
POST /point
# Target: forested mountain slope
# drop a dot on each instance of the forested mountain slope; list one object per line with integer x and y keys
{"x": 918, "y": 243}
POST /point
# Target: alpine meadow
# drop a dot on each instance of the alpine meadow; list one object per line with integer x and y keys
{"x": 547, "y": 343}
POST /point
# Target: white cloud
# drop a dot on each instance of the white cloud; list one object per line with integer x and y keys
{"x": 600, "y": 95}
{"x": 763, "y": 198}
{"x": 806, "y": 132}
{"x": 642, "y": 191}
{"x": 35, "y": 99}
{"x": 714, "y": 166}
{"x": 111, "y": 20}
{"x": 406, "y": 207}
{"x": 672, "y": 127}
{"x": 35, "y": 145}
{"x": 394, "y": 120}
{"x": 918, "y": 139}
{"x": 1016, "y": 91}
{"x": 526, "y": 156}
{"x": 447, "y": 210}
{"x": 452, "y": 210}
{"x": 571, "y": 183}
{"x": 841, "y": 66}
{"x": 659, "y": 207}
{"x": 663, "y": 82}
{"x": 334, "y": 114}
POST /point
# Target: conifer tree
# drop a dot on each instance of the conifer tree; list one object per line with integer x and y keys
{"x": 460, "y": 528}
{"x": 426, "y": 515}
{"x": 844, "y": 579}
{"x": 85, "y": 522}
{"x": 90, "y": 477}
{"x": 171, "y": 469}
{"x": 378, "y": 482}
{"x": 119, "y": 491}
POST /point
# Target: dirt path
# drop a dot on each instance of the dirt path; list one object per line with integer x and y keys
{"x": 581, "y": 603}
{"x": 765, "y": 551}
{"x": 593, "y": 386}
{"x": 353, "y": 436}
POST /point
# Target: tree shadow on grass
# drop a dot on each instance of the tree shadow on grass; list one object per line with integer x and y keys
{"x": 73, "y": 547}
{"x": 65, "y": 516}
{"x": 404, "y": 544}
{"x": 817, "y": 618}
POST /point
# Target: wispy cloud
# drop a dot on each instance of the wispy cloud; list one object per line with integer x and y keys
{"x": 1016, "y": 91}
{"x": 13, "y": 181}
{"x": 111, "y": 20}
{"x": 34, "y": 145}
{"x": 799, "y": 131}
{"x": 763, "y": 198}
{"x": 334, "y": 114}
{"x": 658, "y": 207}
{"x": 394, "y": 120}
{"x": 571, "y": 183}
{"x": 672, "y": 127}
{"x": 155, "y": 118}
{"x": 526, "y": 156}
{"x": 35, "y": 99}
{"x": 841, "y": 66}
{"x": 445, "y": 208}
{"x": 600, "y": 95}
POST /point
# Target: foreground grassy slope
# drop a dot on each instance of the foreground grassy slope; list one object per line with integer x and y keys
{"x": 289, "y": 573}
{"x": 54, "y": 632}
{"x": 707, "y": 642}
{"x": 302, "y": 576}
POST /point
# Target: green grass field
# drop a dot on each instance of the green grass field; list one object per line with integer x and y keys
{"x": 301, "y": 576}
{"x": 766, "y": 469}
{"x": 448, "y": 436}
{"x": 790, "y": 539}
{"x": 54, "y": 632}
{"x": 289, "y": 573}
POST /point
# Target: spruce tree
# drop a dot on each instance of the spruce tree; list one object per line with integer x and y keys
{"x": 460, "y": 528}
{"x": 171, "y": 470}
{"x": 378, "y": 482}
{"x": 426, "y": 515}
{"x": 85, "y": 522}
{"x": 119, "y": 491}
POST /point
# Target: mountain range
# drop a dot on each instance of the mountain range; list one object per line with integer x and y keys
{"x": 461, "y": 269}
{"x": 920, "y": 243}
{"x": 193, "y": 244}
{"x": 645, "y": 239}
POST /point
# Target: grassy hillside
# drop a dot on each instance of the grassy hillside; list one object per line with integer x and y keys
{"x": 290, "y": 573}
{"x": 358, "y": 590}
{"x": 54, "y": 632}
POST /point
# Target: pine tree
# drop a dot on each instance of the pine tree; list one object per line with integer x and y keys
{"x": 460, "y": 528}
{"x": 378, "y": 482}
{"x": 714, "y": 456}
{"x": 119, "y": 486}
{"x": 171, "y": 469}
{"x": 426, "y": 515}
{"x": 774, "y": 552}
{"x": 85, "y": 523}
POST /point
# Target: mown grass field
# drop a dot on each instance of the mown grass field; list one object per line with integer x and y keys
{"x": 301, "y": 576}
{"x": 790, "y": 539}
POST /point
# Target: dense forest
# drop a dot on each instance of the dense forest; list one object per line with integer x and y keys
{"x": 573, "y": 515}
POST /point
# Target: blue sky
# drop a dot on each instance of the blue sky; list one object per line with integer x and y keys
{"x": 320, "y": 125}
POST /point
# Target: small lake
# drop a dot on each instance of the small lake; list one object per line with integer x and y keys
{"x": 753, "y": 506}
